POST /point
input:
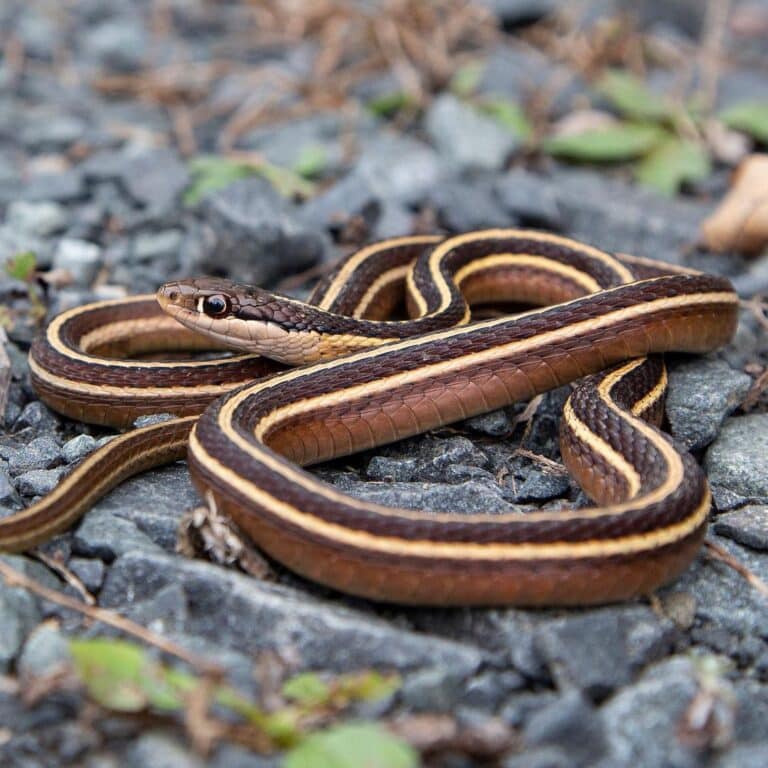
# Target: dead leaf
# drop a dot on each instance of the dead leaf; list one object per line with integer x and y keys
{"x": 740, "y": 222}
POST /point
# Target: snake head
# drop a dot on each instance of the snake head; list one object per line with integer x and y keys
{"x": 253, "y": 319}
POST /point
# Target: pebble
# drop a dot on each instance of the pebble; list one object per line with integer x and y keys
{"x": 80, "y": 258}
{"x": 154, "y": 179}
{"x": 748, "y": 526}
{"x": 45, "y": 651}
{"x": 738, "y": 458}
{"x": 41, "y": 453}
{"x": 64, "y": 187}
{"x": 599, "y": 652}
{"x": 160, "y": 750}
{"x": 640, "y": 721}
{"x": 156, "y": 245}
{"x": 702, "y": 392}
{"x": 467, "y": 138}
{"x": 466, "y": 204}
{"x": 39, "y": 482}
{"x": 78, "y": 448}
{"x": 530, "y": 199}
{"x": 398, "y": 168}
{"x": 106, "y": 536}
{"x": 89, "y": 570}
{"x": 19, "y": 609}
{"x": 119, "y": 44}
{"x": 41, "y": 219}
{"x": 258, "y": 234}
{"x": 572, "y": 724}
{"x": 8, "y": 495}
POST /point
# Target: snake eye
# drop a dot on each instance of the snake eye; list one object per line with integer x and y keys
{"x": 213, "y": 306}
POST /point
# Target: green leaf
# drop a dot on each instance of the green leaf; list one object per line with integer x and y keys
{"x": 671, "y": 164}
{"x": 352, "y": 746}
{"x": 624, "y": 141}
{"x": 312, "y": 161}
{"x": 750, "y": 117}
{"x": 307, "y": 689}
{"x": 368, "y": 686}
{"x": 210, "y": 173}
{"x": 22, "y": 266}
{"x": 389, "y": 104}
{"x": 121, "y": 677}
{"x": 285, "y": 181}
{"x": 510, "y": 115}
{"x": 631, "y": 97}
{"x": 466, "y": 79}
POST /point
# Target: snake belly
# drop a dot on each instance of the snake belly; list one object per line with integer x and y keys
{"x": 246, "y": 450}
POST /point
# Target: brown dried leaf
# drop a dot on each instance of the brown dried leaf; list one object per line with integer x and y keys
{"x": 740, "y": 222}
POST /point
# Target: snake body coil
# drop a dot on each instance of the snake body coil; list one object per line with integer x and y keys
{"x": 400, "y": 378}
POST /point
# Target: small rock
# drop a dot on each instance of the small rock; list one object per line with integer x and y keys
{"x": 743, "y": 756}
{"x": 398, "y": 168}
{"x": 39, "y": 482}
{"x": 80, "y": 258}
{"x": 391, "y": 469}
{"x": 45, "y": 650}
{"x": 258, "y": 235}
{"x": 598, "y": 652}
{"x": 465, "y": 205}
{"x": 89, "y": 570}
{"x": 350, "y": 197}
{"x": 748, "y": 526}
{"x": 489, "y": 690}
{"x": 37, "y": 416}
{"x": 540, "y": 757}
{"x": 495, "y": 424}
{"x": 118, "y": 44}
{"x": 530, "y": 199}
{"x": 41, "y": 453}
{"x": 738, "y": 459}
{"x": 156, "y": 245}
{"x": 52, "y": 131}
{"x": 160, "y": 750}
{"x": 528, "y": 481}
{"x": 19, "y": 609}
{"x": 722, "y": 602}
{"x": 432, "y": 690}
{"x": 462, "y": 498}
{"x": 572, "y": 724}
{"x": 78, "y": 448}
{"x": 39, "y": 219}
{"x": 154, "y": 179}
{"x": 8, "y": 495}
{"x": 466, "y": 137}
{"x": 106, "y": 536}
{"x": 394, "y": 219}
{"x": 641, "y": 720}
{"x": 701, "y": 394}
{"x": 64, "y": 187}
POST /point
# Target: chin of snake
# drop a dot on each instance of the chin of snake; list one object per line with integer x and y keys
{"x": 248, "y": 425}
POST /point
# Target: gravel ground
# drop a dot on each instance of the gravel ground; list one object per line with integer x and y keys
{"x": 102, "y": 107}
